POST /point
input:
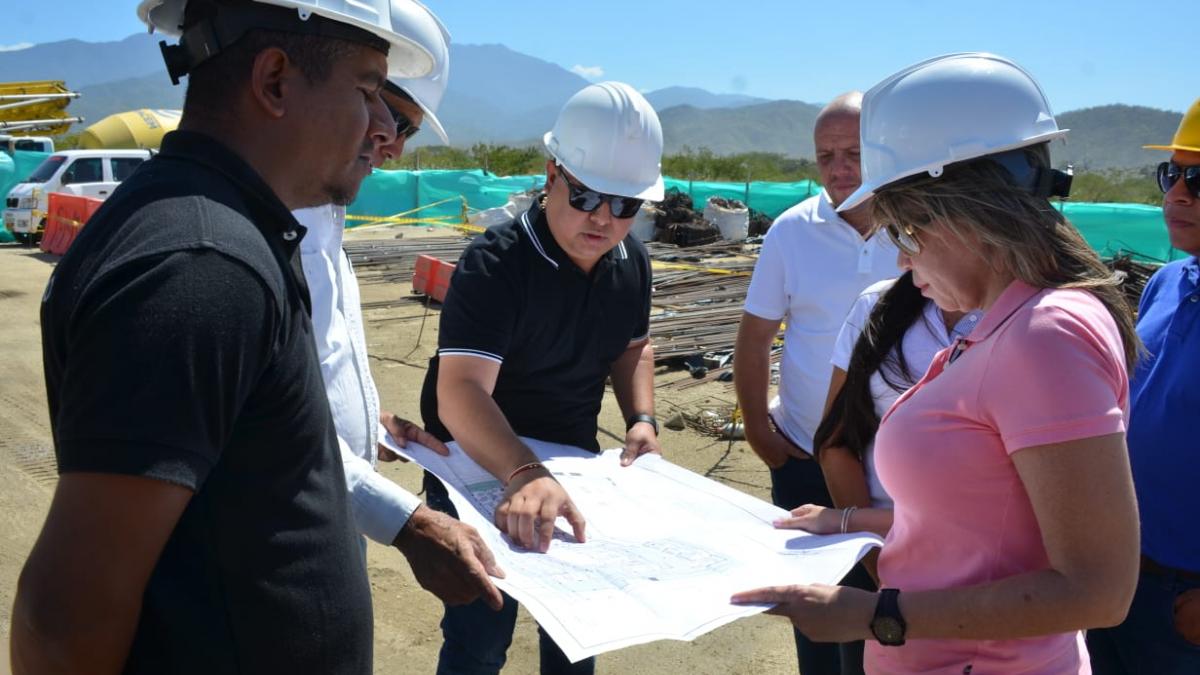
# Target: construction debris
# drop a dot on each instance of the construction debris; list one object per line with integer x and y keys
{"x": 731, "y": 204}
{"x": 680, "y": 224}
{"x": 389, "y": 260}
{"x": 759, "y": 223}
{"x": 1134, "y": 276}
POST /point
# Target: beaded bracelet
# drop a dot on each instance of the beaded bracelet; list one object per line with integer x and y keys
{"x": 522, "y": 469}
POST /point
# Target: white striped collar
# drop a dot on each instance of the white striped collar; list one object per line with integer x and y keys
{"x": 619, "y": 251}
{"x": 537, "y": 243}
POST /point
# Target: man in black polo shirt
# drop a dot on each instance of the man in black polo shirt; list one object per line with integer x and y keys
{"x": 200, "y": 524}
{"x": 538, "y": 315}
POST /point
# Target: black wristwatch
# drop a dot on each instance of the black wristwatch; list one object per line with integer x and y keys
{"x": 888, "y": 626}
{"x": 641, "y": 417}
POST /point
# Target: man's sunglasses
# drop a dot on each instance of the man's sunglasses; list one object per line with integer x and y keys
{"x": 904, "y": 237}
{"x": 404, "y": 127}
{"x": 587, "y": 200}
{"x": 1169, "y": 173}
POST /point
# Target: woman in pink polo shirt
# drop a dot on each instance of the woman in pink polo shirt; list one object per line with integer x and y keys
{"x": 1015, "y": 525}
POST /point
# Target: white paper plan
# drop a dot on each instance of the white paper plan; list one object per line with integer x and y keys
{"x": 665, "y": 548}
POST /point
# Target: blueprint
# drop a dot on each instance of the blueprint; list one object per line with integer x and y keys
{"x": 665, "y": 548}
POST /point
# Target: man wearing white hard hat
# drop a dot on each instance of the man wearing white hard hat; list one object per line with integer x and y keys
{"x": 201, "y": 522}
{"x": 539, "y": 313}
{"x": 813, "y": 264}
{"x": 448, "y": 557}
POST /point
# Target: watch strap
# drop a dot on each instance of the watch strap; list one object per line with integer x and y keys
{"x": 887, "y": 614}
{"x": 641, "y": 417}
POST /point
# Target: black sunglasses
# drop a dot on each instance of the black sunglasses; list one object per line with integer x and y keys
{"x": 1169, "y": 173}
{"x": 404, "y": 126}
{"x": 587, "y": 200}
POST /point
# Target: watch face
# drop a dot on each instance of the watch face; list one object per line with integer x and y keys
{"x": 887, "y": 630}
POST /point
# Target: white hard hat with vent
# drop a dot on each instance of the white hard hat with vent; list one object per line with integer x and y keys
{"x": 948, "y": 109}
{"x": 386, "y": 20}
{"x": 427, "y": 31}
{"x": 609, "y": 138}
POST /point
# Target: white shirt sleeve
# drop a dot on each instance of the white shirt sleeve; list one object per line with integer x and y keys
{"x": 380, "y": 507}
{"x": 852, "y": 328}
{"x": 767, "y": 297}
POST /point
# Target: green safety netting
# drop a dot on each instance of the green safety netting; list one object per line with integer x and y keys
{"x": 1109, "y": 228}
{"x": 391, "y": 193}
{"x": 388, "y": 193}
{"x": 14, "y": 169}
{"x": 1137, "y": 229}
{"x": 770, "y": 198}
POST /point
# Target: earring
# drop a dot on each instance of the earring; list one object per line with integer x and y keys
{"x": 542, "y": 201}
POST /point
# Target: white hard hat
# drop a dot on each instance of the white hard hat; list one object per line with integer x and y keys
{"x": 425, "y": 29}
{"x": 945, "y": 110}
{"x": 384, "y": 19}
{"x": 608, "y": 136}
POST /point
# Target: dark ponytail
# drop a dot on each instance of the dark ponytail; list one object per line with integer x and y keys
{"x": 852, "y": 420}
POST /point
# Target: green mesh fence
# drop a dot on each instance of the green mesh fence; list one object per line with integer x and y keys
{"x": 389, "y": 193}
{"x": 770, "y": 198}
{"x": 392, "y": 193}
{"x": 1109, "y": 228}
{"x": 1137, "y": 229}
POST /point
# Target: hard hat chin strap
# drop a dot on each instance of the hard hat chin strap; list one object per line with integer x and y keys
{"x": 215, "y": 33}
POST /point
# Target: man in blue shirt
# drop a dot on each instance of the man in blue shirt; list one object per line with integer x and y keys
{"x": 1162, "y": 631}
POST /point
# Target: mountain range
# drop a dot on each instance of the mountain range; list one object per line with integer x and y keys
{"x": 498, "y": 95}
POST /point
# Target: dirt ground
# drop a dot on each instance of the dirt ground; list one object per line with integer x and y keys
{"x": 407, "y": 637}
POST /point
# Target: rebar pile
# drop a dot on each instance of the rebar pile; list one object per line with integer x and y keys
{"x": 392, "y": 260}
{"x": 705, "y": 252}
{"x": 699, "y": 313}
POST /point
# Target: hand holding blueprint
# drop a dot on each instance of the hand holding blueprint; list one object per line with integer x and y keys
{"x": 665, "y": 548}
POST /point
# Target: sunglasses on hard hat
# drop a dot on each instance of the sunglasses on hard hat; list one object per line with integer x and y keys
{"x": 587, "y": 200}
{"x": 904, "y": 237}
{"x": 1169, "y": 173}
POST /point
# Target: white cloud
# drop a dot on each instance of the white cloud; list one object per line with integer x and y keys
{"x": 588, "y": 72}
{"x": 16, "y": 48}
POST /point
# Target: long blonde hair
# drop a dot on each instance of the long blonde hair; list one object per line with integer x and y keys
{"x": 1023, "y": 233}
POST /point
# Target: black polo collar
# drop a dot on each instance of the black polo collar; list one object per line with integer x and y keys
{"x": 537, "y": 228}
{"x": 272, "y": 218}
{"x": 203, "y": 149}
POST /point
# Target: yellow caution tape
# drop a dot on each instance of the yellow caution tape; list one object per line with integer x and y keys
{"x": 662, "y": 265}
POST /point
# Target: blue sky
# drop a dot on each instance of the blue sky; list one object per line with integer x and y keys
{"x": 1084, "y": 53}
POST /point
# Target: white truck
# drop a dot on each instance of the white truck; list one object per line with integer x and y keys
{"x": 87, "y": 173}
{"x": 35, "y": 143}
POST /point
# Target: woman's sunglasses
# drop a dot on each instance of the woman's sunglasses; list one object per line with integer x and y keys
{"x": 904, "y": 237}
{"x": 587, "y": 200}
{"x": 1169, "y": 173}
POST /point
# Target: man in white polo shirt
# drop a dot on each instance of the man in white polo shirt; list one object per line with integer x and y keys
{"x": 814, "y": 263}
